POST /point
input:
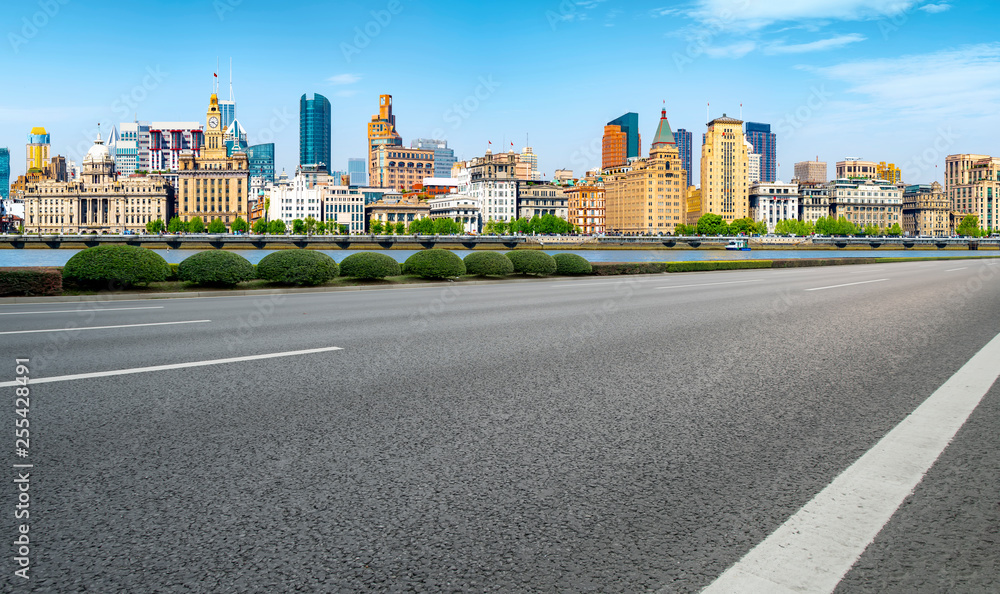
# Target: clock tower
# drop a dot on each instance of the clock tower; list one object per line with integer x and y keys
{"x": 215, "y": 146}
{"x": 213, "y": 185}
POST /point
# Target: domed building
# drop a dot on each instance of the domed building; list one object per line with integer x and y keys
{"x": 97, "y": 202}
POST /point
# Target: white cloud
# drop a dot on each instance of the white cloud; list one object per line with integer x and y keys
{"x": 935, "y": 8}
{"x": 344, "y": 79}
{"x": 736, "y": 50}
{"x": 949, "y": 84}
{"x": 814, "y": 46}
{"x": 756, "y": 14}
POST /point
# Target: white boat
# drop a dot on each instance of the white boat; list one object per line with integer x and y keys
{"x": 739, "y": 245}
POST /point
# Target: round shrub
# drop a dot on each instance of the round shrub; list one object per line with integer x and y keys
{"x": 488, "y": 264}
{"x": 434, "y": 263}
{"x": 122, "y": 265}
{"x": 572, "y": 264}
{"x": 532, "y": 262}
{"x": 369, "y": 265}
{"x": 297, "y": 267}
{"x": 220, "y": 268}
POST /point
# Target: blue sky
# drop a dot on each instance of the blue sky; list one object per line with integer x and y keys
{"x": 895, "y": 80}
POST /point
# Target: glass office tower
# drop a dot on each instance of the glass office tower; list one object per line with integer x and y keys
{"x": 314, "y": 131}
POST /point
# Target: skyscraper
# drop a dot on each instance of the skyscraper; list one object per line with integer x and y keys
{"x": 621, "y": 140}
{"x": 314, "y": 131}
{"x": 444, "y": 157}
{"x": 724, "y": 170}
{"x": 390, "y": 164}
{"x": 4, "y": 173}
{"x": 381, "y": 132}
{"x": 357, "y": 169}
{"x": 37, "y": 150}
{"x": 261, "y": 161}
{"x": 763, "y": 141}
{"x": 683, "y": 138}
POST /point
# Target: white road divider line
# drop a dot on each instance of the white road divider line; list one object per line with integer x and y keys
{"x": 105, "y": 327}
{"x": 79, "y": 376}
{"x": 878, "y": 280}
{"x": 756, "y": 280}
{"x": 62, "y": 311}
{"x": 815, "y": 548}
{"x": 954, "y": 269}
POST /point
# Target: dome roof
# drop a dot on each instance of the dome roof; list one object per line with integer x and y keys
{"x": 97, "y": 153}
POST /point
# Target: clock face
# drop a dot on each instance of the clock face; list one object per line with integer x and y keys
{"x": 213, "y": 122}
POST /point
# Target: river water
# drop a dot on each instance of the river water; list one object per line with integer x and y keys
{"x": 50, "y": 257}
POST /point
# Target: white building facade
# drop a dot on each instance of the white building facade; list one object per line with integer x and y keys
{"x": 774, "y": 201}
{"x": 295, "y": 200}
{"x": 462, "y": 208}
{"x": 345, "y": 206}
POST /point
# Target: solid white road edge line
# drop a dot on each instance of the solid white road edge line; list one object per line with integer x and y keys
{"x": 96, "y": 309}
{"x": 878, "y": 280}
{"x": 816, "y": 547}
{"x": 105, "y": 327}
{"x": 79, "y": 376}
{"x": 756, "y": 280}
{"x": 954, "y": 269}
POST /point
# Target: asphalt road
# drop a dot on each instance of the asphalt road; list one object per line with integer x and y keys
{"x": 607, "y": 435}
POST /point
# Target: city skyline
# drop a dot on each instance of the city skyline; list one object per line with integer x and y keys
{"x": 831, "y": 82}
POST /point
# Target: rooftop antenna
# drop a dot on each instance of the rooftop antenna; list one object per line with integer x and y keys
{"x": 231, "y": 79}
{"x": 708, "y": 113}
{"x": 741, "y": 111}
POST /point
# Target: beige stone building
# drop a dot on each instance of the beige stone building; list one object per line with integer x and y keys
{"x": 648, "y": 196}
{"x": 866, "y": 202}
{"x": 394, "y": 209}
{"x": 856, "y": 169}
{"x": 213, "y": 185}
{"x": 926, "y": 211}
{"x": 811, "y": 171}
{"x": 586, "y": 207}
{"x": 972, "y": 185}
{"x": 539, "y": 199}
{"x": 400, "y": 168}
{"x": 814, "y": 201}
{"x": 97, "y": 202}
{"x": 725, "y": 170}
{"x": 693, "y": 205}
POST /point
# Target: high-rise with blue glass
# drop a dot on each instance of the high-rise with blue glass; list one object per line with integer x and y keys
{"x": 763, "y": 141}
{"x": 4, "y": 173}
{"x": 357, "y": 168}
{"x": 261, "y": 161}
{"x": 314, "y": 131}
{"x": 621, "y": 140}
{"x": 683, "y": 138}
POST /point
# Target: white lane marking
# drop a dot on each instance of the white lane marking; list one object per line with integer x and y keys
{"x": 711, "y": 284}
{"x": 105, "y": 327}
{"x": 35, "y": 313}
{"x": 865, "y": 271}
{"x": 79, "y": 376}
{"x": 878, "y": 280}
{"x": 816, "y": 547}
{"x": 954, "y": 269}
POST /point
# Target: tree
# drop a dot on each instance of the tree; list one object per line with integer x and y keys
{"x": 298, "y": 227}
{"x": 741, "y": 227}
{"x": 176, "y": 225}
{"x": 446, "y": 226}
{"x": 894, "y": 231}
{"x": 310, "y": 225}
{"x": 260, "y": 226}
{"x": 793, "y": 227}
{"x": 321, "y": 227}
{"x": 216, "y": 226}
{"x": 495, "y": 227}
{"x": 682, "y": 229}
{"x": 969, "y": 227}
{"x": 196, "y": 225}
{"x": 712, "y": 224}
{"x": 276, "y": 227}
{"x": 375, "y": 226}
{"x": 760, "y": 228}
{"x": 155, "y": 226}
{"x": 400, "y": 228}
{"x": 871, "y": 230}
{"x": 240, "y": 225}
{"x": 421, "y": 226}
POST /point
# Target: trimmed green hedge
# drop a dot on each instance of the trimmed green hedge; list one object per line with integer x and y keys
{"x": 30, "y": 281}
{"x": 570, "y": 264}
{"x": 218, "y": 268}
{"x": 488, "y": 264}
{"x": 369, "y": 265}
{"x": 122, "y": 265}
{"x": 616, "y": 268}
{"x": 716, "y": 265}
{"x": 174, "y": 271}
{"x": 532, "y": 262}
{"x": 434, "y": 263}
{"x": 805, "y": 263}
{"x": 297, "y": 267}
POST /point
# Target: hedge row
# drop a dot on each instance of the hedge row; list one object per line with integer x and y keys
{"x": 616, "y": 268}
{"x": 30, "y": 281}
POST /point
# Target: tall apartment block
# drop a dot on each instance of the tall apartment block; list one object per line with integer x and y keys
{"x": 764, "y": 144}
